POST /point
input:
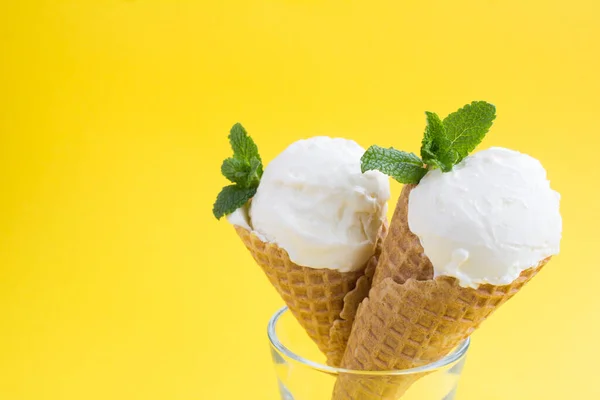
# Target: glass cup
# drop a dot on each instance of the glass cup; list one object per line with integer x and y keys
{"x": 302, "y": 373}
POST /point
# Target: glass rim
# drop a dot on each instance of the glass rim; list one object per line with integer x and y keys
{"x": 455, "y": 355}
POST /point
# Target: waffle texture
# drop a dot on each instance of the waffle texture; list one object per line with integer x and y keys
{"x": 402, "y": 256}
{"x": 315, "y": 296}
{"x": 410, "y": 319}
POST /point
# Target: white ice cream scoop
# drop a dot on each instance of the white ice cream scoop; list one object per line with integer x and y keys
{"x": 314, "y": 202}
{"x": 491, "y": 217}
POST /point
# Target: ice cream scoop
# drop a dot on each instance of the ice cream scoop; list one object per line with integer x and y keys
{"x": 313, "y": 223}
{"x": 314, "y": 202}
{"x": 490, "y": 218}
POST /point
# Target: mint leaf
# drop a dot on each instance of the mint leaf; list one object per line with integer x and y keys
{"x": 433, "y": 141}
{"x": 244, "y": 169}
{"x": 256, "y": 171}
{"x": 465, "y": 129}
{"x": 235, "y": 170}
{"x": 231, "y": 198}
{"x": 435, "y": 163}
{"x": 243, "y": 146}
{"x": 245, "y": 174}
{"x": 402, "y": 166}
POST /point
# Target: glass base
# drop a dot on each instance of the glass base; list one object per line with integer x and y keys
{"x": 303, "y": 375}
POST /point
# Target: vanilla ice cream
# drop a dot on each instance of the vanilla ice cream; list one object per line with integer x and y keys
{"x": 314, "y": 202}
{"x": 491, "y": 217}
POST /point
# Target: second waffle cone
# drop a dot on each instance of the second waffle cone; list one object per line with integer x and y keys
{"x": 410, "y": 319}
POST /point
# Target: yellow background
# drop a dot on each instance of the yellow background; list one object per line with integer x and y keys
{"x": 116, "y": 282}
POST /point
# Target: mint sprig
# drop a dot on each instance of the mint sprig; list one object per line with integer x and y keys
{"x": 400, "y": 165}
{"x": 445, "y": 143}
{"x": 244, "y": 170}
{"x": 466, "y": 128}
{"x": 433, "y": 142}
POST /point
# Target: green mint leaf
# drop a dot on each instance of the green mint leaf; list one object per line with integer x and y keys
{"x": 244, "y": 169}
{"x": 241, "y": 172}
{"x": 256, "y": 171}
{"x": 235, "y": 170}
{"x": 433, "y": 142}
{"x": 230, "y": 199}
{"x": 446, "y": 156}
{"x": 402, "y": 166}
{"x": 465, "y": 129}
{"x": 243, "y": 146}
{"x": 247, "y": 169}
{"x": 434, "y": 163}
{"x": 433, "y": 133}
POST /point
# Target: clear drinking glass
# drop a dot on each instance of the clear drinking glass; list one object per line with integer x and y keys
{"x": 303, "y": 375}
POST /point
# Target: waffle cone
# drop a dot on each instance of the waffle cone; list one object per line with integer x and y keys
{"x": 324, "y": 301}
{"x": 410, "y": 319}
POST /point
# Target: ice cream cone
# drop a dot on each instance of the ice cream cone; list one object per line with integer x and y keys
{"x": 324, "y": 301}
{"x": 410, "y": 319}
{"x": 401, "y": 326}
